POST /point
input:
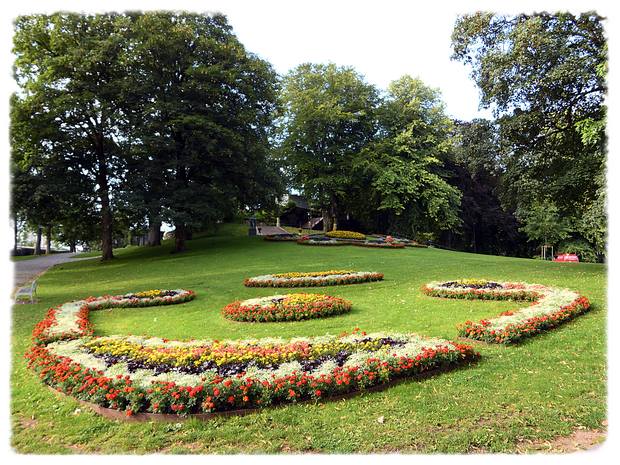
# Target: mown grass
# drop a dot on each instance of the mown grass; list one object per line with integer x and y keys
{"x": 545, "y": 387}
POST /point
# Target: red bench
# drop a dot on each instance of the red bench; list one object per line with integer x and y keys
{"x": 567, "y": 257}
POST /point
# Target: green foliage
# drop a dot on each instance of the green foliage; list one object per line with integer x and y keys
{"x": 158, "y": 116}
{"x": 328, "y": 117}
{"x": 204, "y": 114}
{"x": 487, "y": 226}
{"x": 583, "y": 249}
{"x": 544, "y": 75}
{"x": 543, "y": 222}
{"x": 399, "y": 174}
{"x": 593, "y": 223}
{"x": 71, "y": 76}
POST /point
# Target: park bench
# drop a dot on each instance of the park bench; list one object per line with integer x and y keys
{"x": 28, "y": 291}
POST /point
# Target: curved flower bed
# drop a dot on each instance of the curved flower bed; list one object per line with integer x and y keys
{"x": 70, "y": 320}
{"x": 316, "y": 278}
{"x": 307, "y": 241}
{"x": 549, "y": 308}
{"x": 291, "y": 307}
{"x": 136, "y": 374}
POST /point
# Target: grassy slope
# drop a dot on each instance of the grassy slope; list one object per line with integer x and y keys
{"x": 544, "y": 387}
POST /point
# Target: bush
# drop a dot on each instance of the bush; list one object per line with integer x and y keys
{"x": 583, "y": 249}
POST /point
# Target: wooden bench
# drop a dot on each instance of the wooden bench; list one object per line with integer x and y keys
{"x": 28, "y": 291}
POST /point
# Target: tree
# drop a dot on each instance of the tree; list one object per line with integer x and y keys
{"x": 45, "y": 191}
{"x": 543, "y": 222}
{"x": 200, "y": 131}
{"x": 327, "y": 119}
{"x": 544, "y": 76}
{"x": 400, "y": 174}
{"x": 486, "y": 226}
{"x": 71, "y": 79}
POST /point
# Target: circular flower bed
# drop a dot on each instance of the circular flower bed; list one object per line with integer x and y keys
{"x": 290, "y": 307}
{"x": 339, "y": 234}
{"x": 550, "y": 307}
{"x": 316, "y": 278}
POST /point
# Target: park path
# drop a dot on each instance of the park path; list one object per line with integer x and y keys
{"x": 271, "y": 230}
{"x": 27, "y": 270}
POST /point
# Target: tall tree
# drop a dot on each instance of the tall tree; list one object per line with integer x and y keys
{"x": 544, "y": 76}
{"x": 200, "y": 131}
{"x": 327, "y": 119}
{"x": 71, "y": 79}
{"x": 400, "y": 175}
{"x": 486, "y": 225}
{"x": 542, "y": 222}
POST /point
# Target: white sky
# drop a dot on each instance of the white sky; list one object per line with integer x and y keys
{"x": 381, "y": 43}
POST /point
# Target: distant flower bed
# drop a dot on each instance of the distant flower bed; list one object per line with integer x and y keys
{"x": 550, "y": 307}
{"x": 281, "y": 237}
{"x": 290, "y": 307}
{"x": 345, "y": 235}
{"x": 328, "y": 242}
{"x": 317, "y": 278}
{"x": 152, "y": 375}
{"x": 381, "y": 245}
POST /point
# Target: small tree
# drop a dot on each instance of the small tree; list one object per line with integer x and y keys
{"x": 543, "y": 223}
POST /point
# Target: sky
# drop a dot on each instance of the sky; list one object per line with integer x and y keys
{"x": 381, "y": 43}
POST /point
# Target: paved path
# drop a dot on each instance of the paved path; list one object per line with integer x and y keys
{"x": 27, "y": 270}
{"x": 270, "y": 230}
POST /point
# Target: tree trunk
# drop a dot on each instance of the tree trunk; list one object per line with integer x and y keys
{"x": 327, "y": 221}
{"x": 72, "y": 247}
{"x": 104, "y": 196}
{"x": 154, "y": 237}
{"x": 37, "y": 247}
{"x": 48, "y": 238}
{"x": 179, "y": 238}
{"x": 15, "y": 235}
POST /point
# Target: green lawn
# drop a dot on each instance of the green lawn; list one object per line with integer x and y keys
{"x": 19, "y": 258}
{"x": 544, "y": 387}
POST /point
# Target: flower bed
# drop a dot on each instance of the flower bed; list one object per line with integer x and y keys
{"x": 332, "y": 242}
{"x": 318, "y": 278}
{"x": 281, "y": 237}
{"x": 291, "y": 307}
{"x": 381, "y": 245}
{"x": 549, "y": 308}
{"x": 338, "y": 234}
{"x": 70, "y": 320}
{"x": 136, "y": 374}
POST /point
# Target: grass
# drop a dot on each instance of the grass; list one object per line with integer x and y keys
{"x": 20, "y": 258}
{"x": 547, "y": 386}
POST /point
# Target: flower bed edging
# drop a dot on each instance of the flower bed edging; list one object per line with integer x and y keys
{"x": 291, "y": 307}
{"x": 329, "y": 278}
{"x": 549, "y": 308}
{"x": 115, "y": 414}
